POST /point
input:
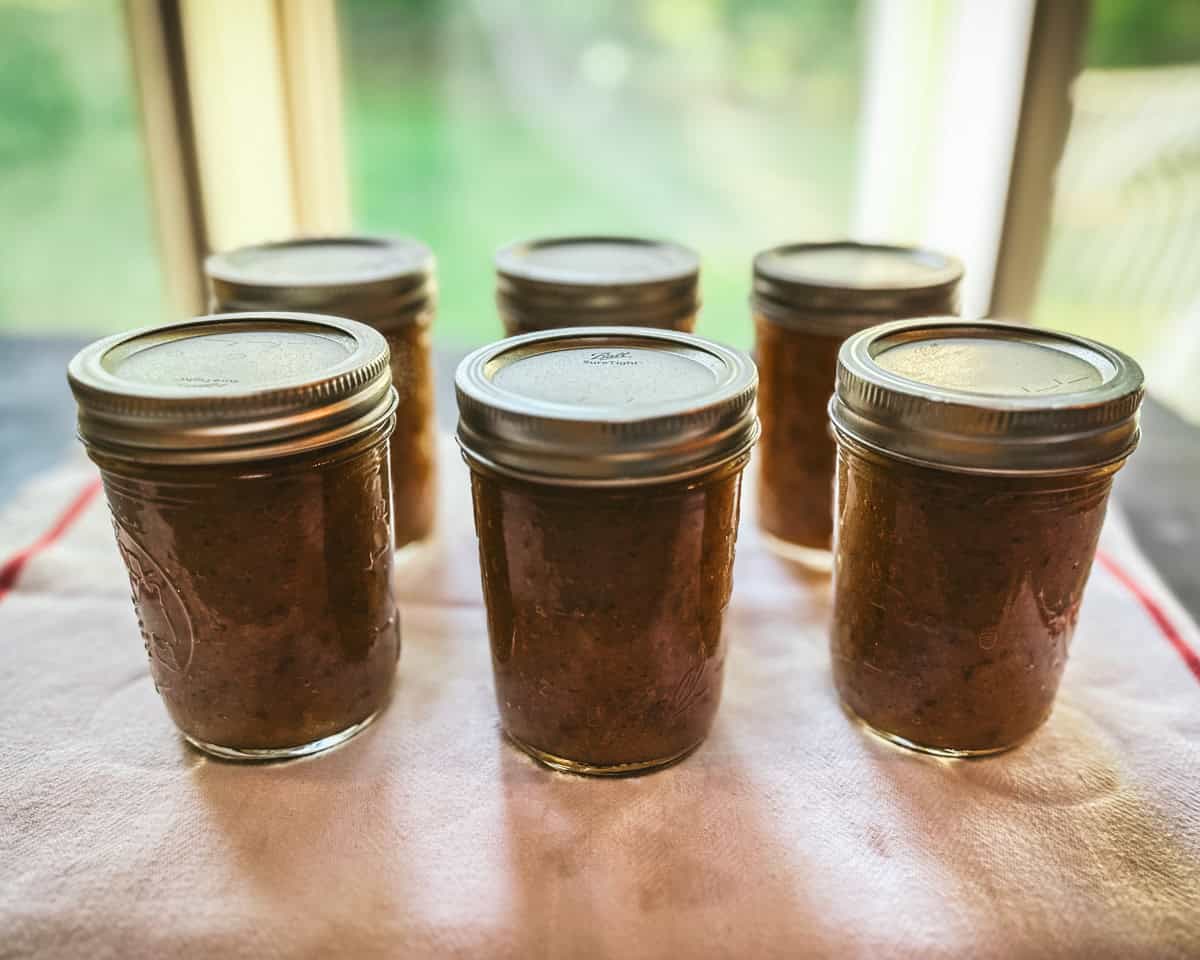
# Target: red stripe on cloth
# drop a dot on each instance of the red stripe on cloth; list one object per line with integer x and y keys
{"x": 11, "y": 569}
{"x": 1155, "y": 610}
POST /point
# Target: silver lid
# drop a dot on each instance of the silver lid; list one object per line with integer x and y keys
{"x": 843, "y": 287}
{"x": 242, "y": 386}
{"x": 606, "y": 406}
{"x": 572, "y": 281}
{"x": 376, "y": 280}
{"x": 985, "y": 397}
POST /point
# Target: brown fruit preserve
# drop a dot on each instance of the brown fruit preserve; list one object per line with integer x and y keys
{"x": 596, "y": 281}
{"x": 808, "y": 298}
{"x": 606, "y": 472}
{"x": 384, "y": 282}
{"x": 974, "y": 466}
{"x": 244, "y": 460}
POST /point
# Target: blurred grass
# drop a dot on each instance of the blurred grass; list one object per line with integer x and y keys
{"x": 77, "y": 251}
{"x": 724, "y": 126}
{"x": 500, "y": 183}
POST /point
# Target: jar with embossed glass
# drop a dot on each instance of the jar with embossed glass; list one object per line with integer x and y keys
{"x": 244, "y": 460}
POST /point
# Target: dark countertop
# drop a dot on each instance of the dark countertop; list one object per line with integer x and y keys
{"x": 1159, "y": 489}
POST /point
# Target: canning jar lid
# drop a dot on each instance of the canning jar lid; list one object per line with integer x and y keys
{"x": 605, "y": 406}
{"x": 563, "y": 281}
{"x": 987, "y": 397}
{"x": 855, "y": 281}
{"x": 233, "y": 387}
{"x": 373, "y": 279}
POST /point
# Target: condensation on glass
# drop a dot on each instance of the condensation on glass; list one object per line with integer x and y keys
{"x": 385, "y": 282}
{"x": 606, "y": 474}
{"x": 807, "y": 299}
{"x": 597, "y": 281}
{"x": 244, "y": 459}
{"x": 973, "y": 471}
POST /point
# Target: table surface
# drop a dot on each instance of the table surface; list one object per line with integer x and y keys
{"x": 786, "y": 833}
{"x": 1159, "y": 489}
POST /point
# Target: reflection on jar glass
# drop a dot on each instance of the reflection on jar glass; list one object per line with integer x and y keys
{"x": 597, "y": 281}
{"x": 244, "y": 460}
{"x": 807, "y": 299}
{"x": 384, "y": 282}
{"x": 606, "y": 469}
{"x": 974, "y": 466}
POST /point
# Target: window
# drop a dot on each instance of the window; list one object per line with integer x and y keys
{"x": 728, "y": 125}
{"x": 77, "y": 251}
{"x": 1125, "y": 236}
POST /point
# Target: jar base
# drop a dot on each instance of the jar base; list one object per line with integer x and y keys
{"x": 812, "y": 559}
{"x": 945, "y": 753}
{"x": 267, "y": 754}
{"x": 563, "y": 765}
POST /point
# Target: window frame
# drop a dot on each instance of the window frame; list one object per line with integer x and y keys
{"x": 241, "y": 93}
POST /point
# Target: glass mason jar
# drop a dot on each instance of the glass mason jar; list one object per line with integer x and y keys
{"x": 386, "y": 283}
{"x": 973, "y": 470}
{"x": 597, "y": 281}
{"x": 808, "y": 298}
{"x": 244, "y": 459}
{"x": 606, "y": 472}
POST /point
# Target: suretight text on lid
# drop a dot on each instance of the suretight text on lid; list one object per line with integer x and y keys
{"x": 606, "y": 405}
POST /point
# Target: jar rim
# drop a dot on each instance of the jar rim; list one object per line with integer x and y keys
{"x": 375, "y": 258}
{"x": 606, "y": 406}
{"x": 557, "y": 282}
{"x": 987, "y": 397}
{"x": 548, "y": 260}
{"x": 915, "y": 281}
{"x": 375, "y": 279}
{"x": 231, "y": 387}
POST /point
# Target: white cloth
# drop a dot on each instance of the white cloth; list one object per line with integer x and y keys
{"x": 789, "y": 833}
